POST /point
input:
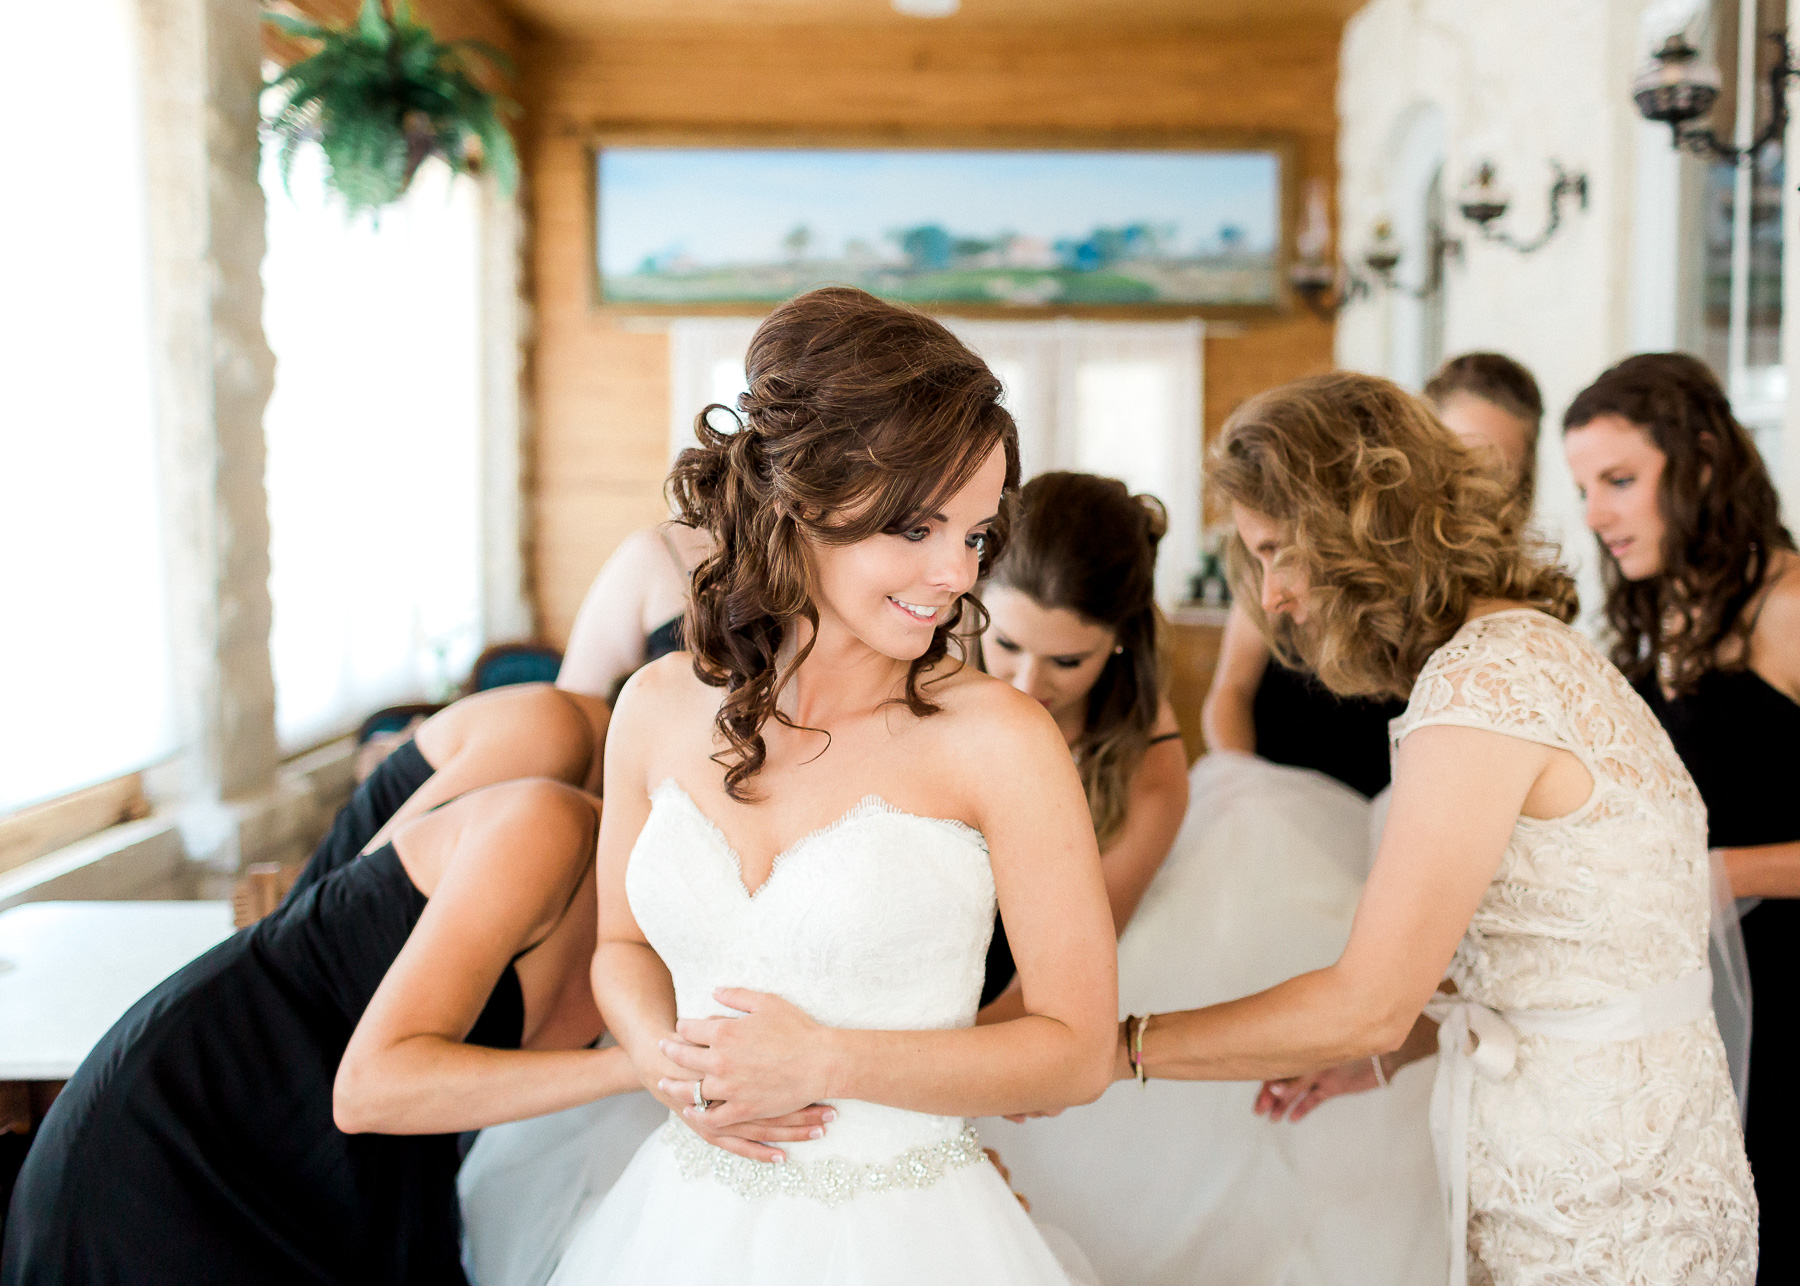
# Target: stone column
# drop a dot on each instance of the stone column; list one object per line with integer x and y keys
{"x": 202, "y": 76}
{"x": 506, "y": 611}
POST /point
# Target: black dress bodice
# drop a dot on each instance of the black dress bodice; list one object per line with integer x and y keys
{"x": 662, "y": 640}
{"x": 1302, "y": 723}
{"x": 1740, "y": 739}
{"x": 196, "y": 1143}
{"x": 395, "y": 780}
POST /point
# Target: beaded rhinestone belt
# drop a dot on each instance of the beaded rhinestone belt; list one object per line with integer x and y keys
{"x": 831, "y": 1180}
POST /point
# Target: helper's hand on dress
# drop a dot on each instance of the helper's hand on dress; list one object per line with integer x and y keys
{"x": 1296, "y": 1096}
{"x": 766, "y": 1065}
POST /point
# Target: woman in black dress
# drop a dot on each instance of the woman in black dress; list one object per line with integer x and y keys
{"x": 285, "y": 1108}
{"x": 632, "y": 613}
{"x": 1072, "y": 623}
{"x": 1703, "y": 601}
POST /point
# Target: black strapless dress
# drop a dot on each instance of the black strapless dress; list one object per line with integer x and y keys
{"x": 1740, "y": 739}
{"x": 1302, "y": 723}
{"x": 658, "y": 643}
{"x": 395, "y": 780}
{"x": 195, "y": 1146}
{"x": 662, "y": 640}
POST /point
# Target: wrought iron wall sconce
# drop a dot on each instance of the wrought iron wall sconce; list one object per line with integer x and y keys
{"x": 1678, "y": 89}
{"x": 1327, "y": 288}
{"x": 1483, "y": 203}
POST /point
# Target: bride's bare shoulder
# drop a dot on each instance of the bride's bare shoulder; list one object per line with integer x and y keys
{"x": 665, "y": 687}
{"x": 985, "y": 715}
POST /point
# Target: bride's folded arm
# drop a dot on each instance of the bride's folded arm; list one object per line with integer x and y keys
{"x": 1023, "y": 791}
{"x": 1458, "y": 792}
{"x": 631, "y": 984}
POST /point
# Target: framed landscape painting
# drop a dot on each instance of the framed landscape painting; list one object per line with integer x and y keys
{"x": 1108, "y": 230}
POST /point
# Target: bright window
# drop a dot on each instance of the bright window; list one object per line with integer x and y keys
{"x": 1741, "y": 227}
{"x": 374, "y": 447}
{"x": 84, "y": 625}
{"x": 1120, "y": 399}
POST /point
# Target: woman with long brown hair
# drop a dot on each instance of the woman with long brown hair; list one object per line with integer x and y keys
{"x": 1703, "y": 602}
{"x": 1237, "y": 890}
{"x": 1545, "y": 852}
{"x": 1072, "y": 623}
{"x": 878, "y": 796}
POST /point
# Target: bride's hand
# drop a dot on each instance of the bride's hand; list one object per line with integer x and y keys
{"x": 764, "y": 1065}
{"x": 672, "y": 1088}
{"x": 752, "y": 1138}
{"x": 1297, "y": 1096}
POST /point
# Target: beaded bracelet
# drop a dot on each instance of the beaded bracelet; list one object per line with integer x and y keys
{"x": 1137, "y": 1062}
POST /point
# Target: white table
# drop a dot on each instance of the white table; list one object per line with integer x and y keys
{"x": 70, "y": 970}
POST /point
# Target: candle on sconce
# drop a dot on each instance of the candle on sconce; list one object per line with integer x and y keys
{"x": 1315, "y": 231}
{"x": 1311, "y": 274}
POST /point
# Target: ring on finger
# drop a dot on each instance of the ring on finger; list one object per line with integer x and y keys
{"x": 700, "y": 1098}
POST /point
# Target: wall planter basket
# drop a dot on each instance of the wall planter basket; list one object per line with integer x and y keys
{"x": 382, "y": 95}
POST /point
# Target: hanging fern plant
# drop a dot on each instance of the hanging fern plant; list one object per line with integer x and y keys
{"x": 381, "y": 96}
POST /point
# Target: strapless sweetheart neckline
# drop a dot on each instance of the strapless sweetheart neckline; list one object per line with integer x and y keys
{"x": 870, "y": 805}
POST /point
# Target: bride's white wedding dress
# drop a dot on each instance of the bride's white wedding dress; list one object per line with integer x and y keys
{"x": 1179, "y": 1182}
{"x": 879, "y": 921}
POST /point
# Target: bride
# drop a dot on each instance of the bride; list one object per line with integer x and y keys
{"x": 808, "y": 821}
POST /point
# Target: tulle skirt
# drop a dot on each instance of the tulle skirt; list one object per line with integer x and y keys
{"x": 597, "y": 1194}
{"x": 1180, "y": 1183}
{"x": 670, "y": 1222}
{"x": 526, "y": 1186}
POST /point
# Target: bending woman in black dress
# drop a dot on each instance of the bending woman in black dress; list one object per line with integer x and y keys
{"x": 284, "y": 1109}
{"x": 1703, "y": 600}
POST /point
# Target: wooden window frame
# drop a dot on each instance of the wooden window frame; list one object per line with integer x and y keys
{"x": 31, "y": 832}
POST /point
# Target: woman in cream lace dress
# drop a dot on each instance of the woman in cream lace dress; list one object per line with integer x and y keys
{"x": 1545, "y": 856}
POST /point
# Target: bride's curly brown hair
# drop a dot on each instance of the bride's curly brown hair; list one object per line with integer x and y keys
{"x": 1721, "y": 513}
{"x": 1397, "y": 527}
{"x": 861, "y": 417}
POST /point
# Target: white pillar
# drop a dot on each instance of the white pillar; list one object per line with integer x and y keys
{"x": 506, "y": 611}
{"x": 214, "y": 371}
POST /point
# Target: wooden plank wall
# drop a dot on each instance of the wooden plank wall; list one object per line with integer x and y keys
{"x": 600, "y": 385}
{"x": 449, "y": 20}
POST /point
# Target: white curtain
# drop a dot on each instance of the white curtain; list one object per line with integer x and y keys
{"x": 85, "y": 676}
{"x": 706, "y": 365}
{"x": 374, "y": 437}
{"x": 1121, "y": 399}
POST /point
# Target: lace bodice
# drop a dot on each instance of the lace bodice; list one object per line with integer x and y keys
{"x": 1610, "y": 898}
{"x": 879, "y": 921}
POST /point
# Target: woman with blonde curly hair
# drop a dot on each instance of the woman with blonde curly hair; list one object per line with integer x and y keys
{"x": 1544, "y": 859}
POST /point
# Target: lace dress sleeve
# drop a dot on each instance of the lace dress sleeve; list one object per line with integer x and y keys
{"x": 1505, "y": 673}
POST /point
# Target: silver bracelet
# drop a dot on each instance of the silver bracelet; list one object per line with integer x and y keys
{"x": 1380, "y": 1076}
